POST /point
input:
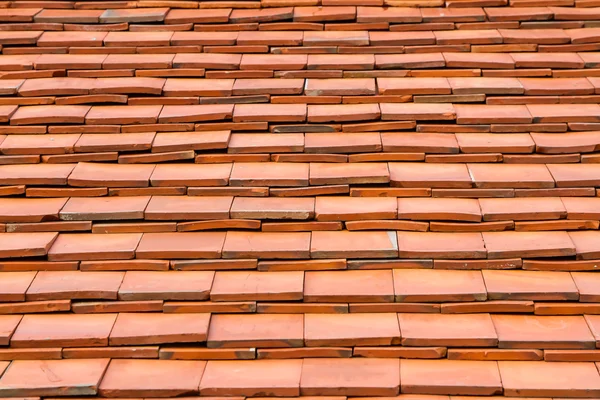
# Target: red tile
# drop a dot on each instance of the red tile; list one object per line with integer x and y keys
{"x": 35, "y": 174}
{"x": 270, "y": 62}
{"x": 256, "y": 330}
{"x": 13, "y": 285}
{"x": 191, "y": 175}
{"x": 157, "y": 328}
{"x": 182, "y": 208}
{"x": 522, "y": 209}
{"x": 423, "y": 285}
{"x": 13, "y": 245}
{"x": 587, "y": 286}
{"x": 266, "y": 245}
{"x": 586, "y": 244}
{"x": 360, "y": 329}
{"x": 409, "y": 61}
{"x": 110, "y": 175}
{"x": 340, "y": 87}
{"x": 388, "y": 14}
{"x": 195, "y": 113}
{"x": 53, "y": 377}
{"x": 166, "y": 285}
{"x": 492, "y": 114}
{"x": 535, "y": 378}
{"x": 30, "y": 210}
{"x": 418, "y": 112}
{"x": 51, "y": 114}
{"x": 450, "y": 377}
{"x": 350, "y": 377}
{"x": 87, "y": 246}
{"x": 543, "y": 332}
{"x": 572, "y": 142}
{"x": 8, "y": 324}
{"x": 66, "y": 285}
{"x": 428, "y": 175}
{"x": 528, "y": 244}
{"x": 107, "y": 208}
{"x": 179, "y": 141}
{"x": 439, "y": 209}
{"x": 265, "y": 208}
{"x": 259, "y": 286}
{"x": 341, "y": 244}
{"x": 346, "y": 62}
{"x": 441, "y": 245}
{"x": 493, "y": 143}
{"x": 327, "y": 143}
{"x": 452, "y": 330}
{"x": 181, "y": 245}
{"x": 518, "y": 176}
{"x": 265, "y": 174}
{"x": 564, "y": 112}
{"x": 63, "y": 330}
{"x": 462, "y": 14}
{"x": 198, "y": 87}
{"x": 575, "y": 175}
{"x": 530, "y": 285}
{"x": 252, "y": 378}
{"x": 348, "y": 173}
{"x": 99, "y": 115}
{"x": 322, "y": 14}
{"x": 158, "y": 378}
{"x": 354, "y": 208}
{"x": 355, "y": 286}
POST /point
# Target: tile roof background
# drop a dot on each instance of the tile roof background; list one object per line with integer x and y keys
{"x": 285, "y": 198}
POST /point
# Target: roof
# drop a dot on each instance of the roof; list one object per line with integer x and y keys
{"x": 284, "y": 198}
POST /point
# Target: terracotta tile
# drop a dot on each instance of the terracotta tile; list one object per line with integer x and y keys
{"x": 264, "y": 174}
{"x": 191, "y": 174}
{"x": 181, "y": 16}
{"x": 51, "y": 114}
{"x": 564, "y": 112}
{"x": 552, "y": 332}
{"x": 530, "y": 285}
{"x": 270, "y": 62}
{"x": 519, "y": 176}
{"x": 86, "y": 246}
{"x": 164, "y": 378}
{"x": 439, "y": 209}
{"x": 354, "y": 173}
{"x": 409, "y": 61}
{"x": 355, "y": 286}
{"x": 13, "y": 285}
{"x": 198, "y": 87}
{"x": 181, "y": 245}
{"x": 252, "y": 378}
{"x": 528, "y": 244}
{"x": 151, "y": 328}
{"x": 351, "y": 329}
{"x": 340, "y": 87}
{"x": 534, "y": 378}
{"x": 342, "y": 112}
{"x": 8, "y": 324}
{"x": 416, "y": 285}
{"x": 572, "y": 142}
{"x": 30, "y": 210}
{"x": 351, "y": 377}
{"x": 586, "y": 244}
{"x": 195, "y": 113}
{"x": 53, "y": 377}
{"x": 576, "y": 175}
{"x": 541, "y": 208}
{"x": 338, "y": 244}
{"x": 110, "y": 175}
{"x": 385, "y": 14}
{"x": 259, "y": 286}
{"x": 107, "y": 208}
{"x": 467, "y": 330}
{"x": 188, "y": 207}
{"x": 491, "y": 114}
{"x": 544, "y": 60}
{"x": 586, "y": 286}
{"x": 178, "y": 141}
{"x": 255, "y": 330}
{"x": 269, "y": 112}
{"x": 416, "y": 175}
{"x": 35, "y": 174}
{"x": 347, "y": 62}
{"x": 450, "y": 377}
{"x": 261, "y": 15}
{"x": 266, "y": 245}
{"x": 134, "y": 15}
{"x": 418, "y": 111}
{"x": 342, "y": 143}
{"x": 56, "y": 86}
{"x": 354, "y": 208}
{"x": 440, "y": 245}
{"x": 71, "y": 61}
{"x": 491, "y": 143}
{"x": 99, "y": 115}
{"x": 66, "y": 285}
{"x": 63, "y": 330}
{"x": 166, "y": 285}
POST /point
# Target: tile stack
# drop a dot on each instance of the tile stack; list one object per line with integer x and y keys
{"x": 284, "y": 198}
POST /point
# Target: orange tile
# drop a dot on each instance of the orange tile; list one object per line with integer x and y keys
{"x": 256, "y": 330}
{"x": 67, "y": 285}
{"x": 441, "y": 245}
{"x": 259, "y": 286}
{"x": 353, "y": 286}
{"x": 361, "y": 329}
{"x": 424, "y": 285}
{"x": 166, "y": 285}
{"x": 340, "y": 244}
{"x": 530, "y": 285}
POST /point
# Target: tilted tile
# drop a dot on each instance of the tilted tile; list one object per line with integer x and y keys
{"x": 35, "y": 244}
{"x": 104, "y": 208}
{"x": 66, "y": 285}
{"x": 30, "y": 210}
{"x": 528, "y": 244}
{"x": 88, "y": 246}
{"x": 166, "y": 285}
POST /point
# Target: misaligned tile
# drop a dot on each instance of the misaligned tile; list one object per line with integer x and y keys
{"x": 108, "y": 208}
{"x": 13, "y": 285}
{"x": 85, "y": 246}
{"x": 66, "y": 285}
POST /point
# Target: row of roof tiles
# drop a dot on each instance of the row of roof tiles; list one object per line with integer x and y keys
{"x": 151, "y": 114}
{"x": 321, "y": 208}
{"x": 342, "y": 286}
{"x": 419, "y": 175}
{"x": 292, "y": 62}
{"x": 308, "y": 377}
{"x": 415, "y": 144}
{"x": 300, "y": 245}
